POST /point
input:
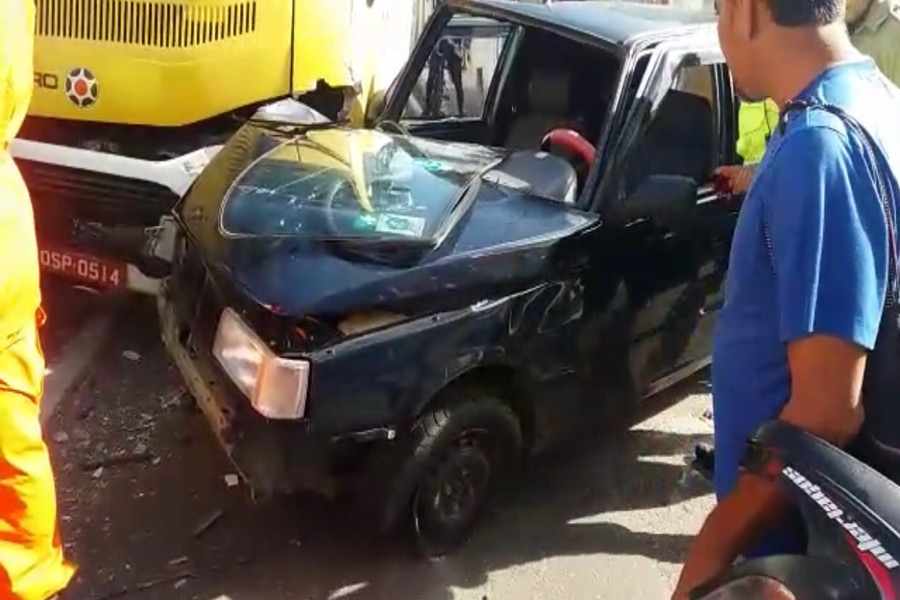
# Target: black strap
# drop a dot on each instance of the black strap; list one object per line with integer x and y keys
{"x": 892, "y": 297}
{"x": 878, "y": 443}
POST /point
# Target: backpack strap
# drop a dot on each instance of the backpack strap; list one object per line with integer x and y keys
{"x": 893, "y": 298}
{"x": 878, "y": 442}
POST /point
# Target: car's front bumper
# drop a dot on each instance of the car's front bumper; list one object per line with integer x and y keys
{"x": 272, "y": 456}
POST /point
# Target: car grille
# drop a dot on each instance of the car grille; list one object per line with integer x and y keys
{"x": 67, "y": 194}
{"x": 148, "y": 23}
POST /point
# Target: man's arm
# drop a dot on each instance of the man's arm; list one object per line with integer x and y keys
{"x": 829, "y": 241}
{"x": 826, "y": 377}
{"x": 736, "y": 178}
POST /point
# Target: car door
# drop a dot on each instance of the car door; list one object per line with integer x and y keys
{"x": 653, "y": 282}
{"x": 715, "y": 220}
{"x": 449, "y": 84}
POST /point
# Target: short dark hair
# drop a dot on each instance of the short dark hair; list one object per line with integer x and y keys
{"x": 804, "y": 13}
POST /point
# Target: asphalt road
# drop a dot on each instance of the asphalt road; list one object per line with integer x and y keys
{"x": 139, "y": 477}
{"x": 78, "y": 322}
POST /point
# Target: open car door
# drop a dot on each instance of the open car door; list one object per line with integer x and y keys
{"x": 448, "y": 86}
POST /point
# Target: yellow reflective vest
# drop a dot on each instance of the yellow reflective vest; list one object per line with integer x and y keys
{"x": 756, "y": 123}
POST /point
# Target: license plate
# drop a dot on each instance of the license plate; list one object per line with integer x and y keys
{"x": 84, "y": 267}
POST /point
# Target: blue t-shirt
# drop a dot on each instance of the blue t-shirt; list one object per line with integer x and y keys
{"x": 818, "y": 198}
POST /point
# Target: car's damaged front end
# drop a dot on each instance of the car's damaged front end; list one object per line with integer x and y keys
{"x": 329, "y": 282}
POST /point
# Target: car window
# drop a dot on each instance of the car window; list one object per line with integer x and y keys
{"x": 697, "y": 81}
{"x": 681, "y": 137}
{"x": 457, "y": 76}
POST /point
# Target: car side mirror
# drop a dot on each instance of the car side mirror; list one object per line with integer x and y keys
{"x": 375, "y": 107}
{"x": 668, "y": 200}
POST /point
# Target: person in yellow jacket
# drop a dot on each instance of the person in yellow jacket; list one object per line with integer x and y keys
{"x": 756, "y": 123}
{"x": 31, "y": 559}
{"x": 874, "y": 29}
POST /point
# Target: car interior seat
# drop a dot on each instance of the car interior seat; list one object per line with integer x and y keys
{"x": 679, "y": 141}
{"x": 546, "y": 107}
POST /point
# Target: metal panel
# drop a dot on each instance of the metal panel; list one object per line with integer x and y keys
{"x": 149, "y": 23}
{"x": 93, "y": 196}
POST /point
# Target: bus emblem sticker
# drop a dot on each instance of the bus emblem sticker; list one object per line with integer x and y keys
{"x": 82, "y": 87}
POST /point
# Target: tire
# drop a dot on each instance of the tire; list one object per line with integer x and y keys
{"x": 449, "y": 467}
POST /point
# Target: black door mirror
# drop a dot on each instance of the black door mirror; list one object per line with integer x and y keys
{"x": 667, "y": 200}
{"x": 375, "y": 106}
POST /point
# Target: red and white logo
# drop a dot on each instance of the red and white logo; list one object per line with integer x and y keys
{"x": 82, "y": 87}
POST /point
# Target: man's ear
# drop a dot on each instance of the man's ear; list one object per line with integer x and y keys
{"x": 740, "y": 15}
{"x": 758, "y": 18}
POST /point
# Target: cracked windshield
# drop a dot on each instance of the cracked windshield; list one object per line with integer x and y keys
{"x": 449, "y": 299}
{"x": 342, "y": 184}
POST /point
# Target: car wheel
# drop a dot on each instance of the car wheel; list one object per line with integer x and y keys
{"x": 455, "y": 457}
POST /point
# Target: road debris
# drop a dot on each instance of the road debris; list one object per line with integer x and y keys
{"x": 61, "y": 437}
{"x": 97, "y": 473}
{"x": 177, "y": 577}
{"x": 232, "y": 480}
{"x": 178, "y": 561}
{"x": 131, "y": 355}
{"x": 140, "y": 427}
{"x": 208, "y": 522}
{"x": 174, "y": 400}
{"x": 118, "y": 459}
{"x": 146, "y": 585}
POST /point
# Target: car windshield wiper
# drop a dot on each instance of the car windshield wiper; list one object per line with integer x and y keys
{"x": 465, "y": 193}
{"x": 380, "y": 240}
{"x": 294, "y": 128}
{"x": 463, "y": 200}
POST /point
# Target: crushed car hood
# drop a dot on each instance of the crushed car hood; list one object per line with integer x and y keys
{"x": 501, "y": 240}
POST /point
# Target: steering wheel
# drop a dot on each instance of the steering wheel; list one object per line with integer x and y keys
{"x": 575, "y": 148}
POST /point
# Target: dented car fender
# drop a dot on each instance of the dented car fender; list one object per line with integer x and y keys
{"x": 400, "y": 369}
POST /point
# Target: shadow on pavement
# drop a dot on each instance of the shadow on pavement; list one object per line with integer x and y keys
{"x": 139, "y": 473}
{"x": 67, "y": 309}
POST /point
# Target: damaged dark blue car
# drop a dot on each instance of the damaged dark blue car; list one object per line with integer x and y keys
{"x": 523, "y": 241}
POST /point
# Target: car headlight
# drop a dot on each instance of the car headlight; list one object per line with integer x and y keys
{"x": 275, "y": 386}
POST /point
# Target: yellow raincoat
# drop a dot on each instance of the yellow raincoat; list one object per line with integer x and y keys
{"x": 31, "y": 560}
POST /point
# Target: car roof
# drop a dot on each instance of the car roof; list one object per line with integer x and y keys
{"x": 616, "y": 21}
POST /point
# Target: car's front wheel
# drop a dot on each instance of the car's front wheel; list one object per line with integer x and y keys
{"x": 455, "y": 455}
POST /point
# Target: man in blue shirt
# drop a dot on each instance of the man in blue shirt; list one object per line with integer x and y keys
{"x": 799, "y": 317}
